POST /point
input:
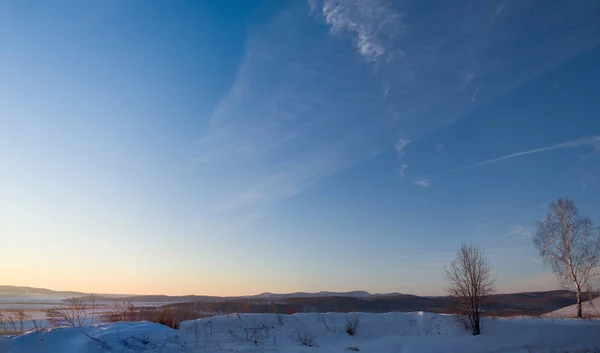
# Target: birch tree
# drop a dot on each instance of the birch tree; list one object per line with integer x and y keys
{"x": 571, "y": 245}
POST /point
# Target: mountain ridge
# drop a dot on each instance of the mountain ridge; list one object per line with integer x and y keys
{"x": 11, "y": 290}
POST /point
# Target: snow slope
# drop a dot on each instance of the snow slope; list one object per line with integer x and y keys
{"x": 377, "y": 333}
{"x": 589, "y": 308}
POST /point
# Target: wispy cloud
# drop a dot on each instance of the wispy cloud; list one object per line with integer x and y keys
{"x": 519, "y": 231}
{"x": 594, "y": 153}
{"x": 424, "y": 182}
{"x": 446, "y": 255}
{"x": 402, "y": 170}
{"x": 293, "y": 179}
{"x": 438, "y": 254}
{"x": 301, "y": 107}
{"x": 499, "y": 8}
{"x": 567, "y": 144}
{"x": 400, "y": 145}
{"x": 440, "y": 146}
{"x": 588, "y": 168}
{"x": 475, "y": 93}
{"x": 374, "y": 23}
{"x": 468, "y": 78}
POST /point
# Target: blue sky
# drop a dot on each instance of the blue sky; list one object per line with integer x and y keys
{"x": 242, "y": 147}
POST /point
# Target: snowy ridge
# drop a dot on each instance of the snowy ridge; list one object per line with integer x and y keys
{"x": 589, "y": 308}
{"x": 377, "y": 333}
{"x": 275, "y": 296}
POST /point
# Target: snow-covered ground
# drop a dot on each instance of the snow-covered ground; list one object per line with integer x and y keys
{"x": 589, "y": 309}
{"x": 377, "y": 333}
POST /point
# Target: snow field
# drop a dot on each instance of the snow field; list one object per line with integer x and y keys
{"x": 377, "y": 333}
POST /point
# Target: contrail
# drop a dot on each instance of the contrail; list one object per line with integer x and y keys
{"x": 567, "y": 144}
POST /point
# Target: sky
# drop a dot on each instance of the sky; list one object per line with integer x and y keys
{"x": 230, "y": 148}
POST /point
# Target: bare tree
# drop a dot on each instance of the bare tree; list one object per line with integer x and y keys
{"x": 73, "y": 313}
{"x": 570, "y": 244}
{"x": 14, "y": 322}
{"x": 471, "y": 282}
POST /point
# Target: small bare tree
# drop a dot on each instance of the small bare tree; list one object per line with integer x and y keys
{"x": 471, "y": 282}
{"x": 73, "y": 313}
{"x": 570, "y": 244}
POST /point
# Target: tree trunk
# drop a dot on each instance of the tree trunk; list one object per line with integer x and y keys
{"x": 476, "y": 321}
{"x": 476, "y": 328}
{"x": 579, "y": 311}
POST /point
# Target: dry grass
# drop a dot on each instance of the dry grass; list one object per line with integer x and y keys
{"x": 165, "y": 315}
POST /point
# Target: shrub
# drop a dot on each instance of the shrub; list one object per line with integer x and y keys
{"x": 13, "y": 323}
{"x": 327, "y": 322}
{"x": 165, "y": 317}
{"x": 73, "y": 313}
{"x": 304, "y": 337}
{"x": 260, "y": 334}
{"x": 352, "y": 324}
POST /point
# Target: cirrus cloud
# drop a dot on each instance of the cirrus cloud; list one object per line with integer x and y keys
{"x": 306, "y": 103}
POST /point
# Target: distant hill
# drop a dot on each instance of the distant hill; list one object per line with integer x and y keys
{"x": 265, "y": 297}
{"x": 537, "y": 302}
{"x": 20, "y": 291}
{"x": 499, "y": 304}
{"x": 31, "y": 291}
{"x": 532, "y": 303}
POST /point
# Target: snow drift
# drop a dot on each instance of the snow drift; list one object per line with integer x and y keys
{"x": 589, "y": 309}
{"x": 319, "y": 333}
